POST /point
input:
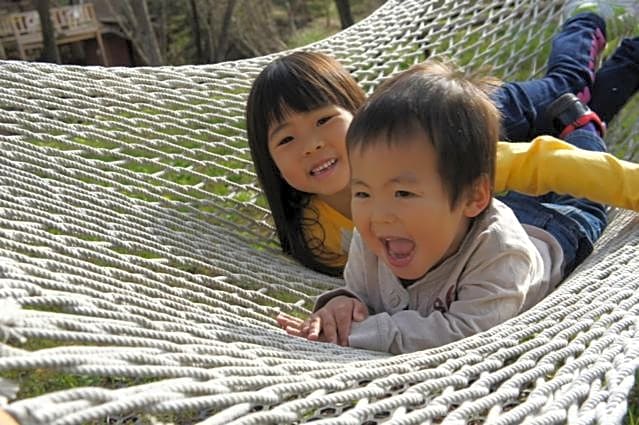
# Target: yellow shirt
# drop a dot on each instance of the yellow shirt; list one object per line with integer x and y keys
{"x": 329, "y": 226}
{"x": 544, "y": 165}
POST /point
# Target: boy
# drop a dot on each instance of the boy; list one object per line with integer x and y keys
{"x": 434, "y": 257}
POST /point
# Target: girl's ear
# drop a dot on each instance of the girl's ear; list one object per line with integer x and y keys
{"x": 478, "y": 197}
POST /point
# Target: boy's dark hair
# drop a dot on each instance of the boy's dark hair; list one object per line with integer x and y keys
{"x": 298, "y": 82}
{"x": 451, "y": 109}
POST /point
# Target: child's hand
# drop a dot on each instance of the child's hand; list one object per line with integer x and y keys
{"x": 292, "y": 325}
{"x": 332, "y": 323}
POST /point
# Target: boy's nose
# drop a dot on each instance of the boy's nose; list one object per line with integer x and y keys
{"x": 382, "y": 214}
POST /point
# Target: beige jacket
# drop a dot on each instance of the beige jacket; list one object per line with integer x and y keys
{"x": 499, "y": 271}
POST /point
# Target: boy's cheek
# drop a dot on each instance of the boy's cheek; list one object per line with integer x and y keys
{"x": 373, "y": 244}
{"x": 359, "y": 213}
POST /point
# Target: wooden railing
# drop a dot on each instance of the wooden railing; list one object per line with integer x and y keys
{"x": 23, "y": 31}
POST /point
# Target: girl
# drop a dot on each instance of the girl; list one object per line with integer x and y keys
{"x": 301, "y": 105}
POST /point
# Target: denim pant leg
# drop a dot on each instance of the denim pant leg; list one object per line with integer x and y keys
{"x": 570, "y": 70}
{"x": 617, "y": 80}
{"x": 575, "y": 223}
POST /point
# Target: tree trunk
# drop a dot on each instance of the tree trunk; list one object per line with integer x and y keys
{"x": 163, "y": 29}
{"x": 50, "y": 52}
{"x": 135, "y": 22}
{"x": 290, "y": 11}
{"x": 235, "y": 29}
{"x": 223, "y": 39}
{"x": 254, "y": 32}
{"x": 147, "y": 37}
{"x": 197, "y": 36}
{"x": 209, "y": 30}
{"x": 345, "y": 15}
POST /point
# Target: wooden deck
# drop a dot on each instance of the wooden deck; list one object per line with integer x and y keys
{"x": 22, "y": 31}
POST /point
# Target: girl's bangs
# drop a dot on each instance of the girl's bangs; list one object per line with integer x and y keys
{"x": 290, "y": 93}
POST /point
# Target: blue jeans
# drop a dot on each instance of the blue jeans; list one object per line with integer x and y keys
{"x": 617, "y": 80}
{"x": 575, "y": 223}
{"x": 571, "y": 69}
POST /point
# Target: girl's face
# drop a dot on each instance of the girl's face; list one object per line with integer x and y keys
{"x": 309, "y": 149}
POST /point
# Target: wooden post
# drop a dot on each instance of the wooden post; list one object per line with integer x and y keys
{"x": 103, "y": 53}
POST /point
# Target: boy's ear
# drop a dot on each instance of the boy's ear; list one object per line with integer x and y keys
{"x": 478, "y": 197}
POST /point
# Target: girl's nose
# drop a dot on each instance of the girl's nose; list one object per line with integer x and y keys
{"x": 313, "y": 145}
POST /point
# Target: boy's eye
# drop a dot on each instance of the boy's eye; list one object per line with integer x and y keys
{"x": 360, "y": 195}
{"x": 403, "y": 194}
{"x": 285, "y": 140}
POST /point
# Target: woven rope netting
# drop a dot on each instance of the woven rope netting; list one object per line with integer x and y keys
{"x": 140, "y": 275}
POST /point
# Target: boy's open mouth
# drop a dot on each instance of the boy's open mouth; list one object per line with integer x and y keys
{"x": 324, "y": 167}
{"x": 399, "y": 251}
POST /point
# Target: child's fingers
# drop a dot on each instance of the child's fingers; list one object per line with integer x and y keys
{"x": 313, "y": 328}
{"x": 284, "y": 320}
{"x": 295, "y": 331}
{"x": 328, "y": 327}
{"x": 7, "y": 419}
{"x": 292, "y": 325}
{"x": 360, "y": 311}
{"x": 343, "y": 320}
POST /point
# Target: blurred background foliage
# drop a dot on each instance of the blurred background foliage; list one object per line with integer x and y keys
{"x": 168, "y": 32}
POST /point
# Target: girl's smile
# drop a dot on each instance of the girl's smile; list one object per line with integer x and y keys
{"x": 324, "y": 168}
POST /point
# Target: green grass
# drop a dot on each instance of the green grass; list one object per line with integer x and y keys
{"x": 38, "y": 382}
{"x": 318, "y": 30}
{"x": 633, "y": 403}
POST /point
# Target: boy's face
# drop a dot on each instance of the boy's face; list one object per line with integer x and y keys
{"x": 309, "y": 149}
{"x": 401, "y": 208}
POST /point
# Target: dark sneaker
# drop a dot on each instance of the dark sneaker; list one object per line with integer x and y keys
{"x": 568, "y": 113}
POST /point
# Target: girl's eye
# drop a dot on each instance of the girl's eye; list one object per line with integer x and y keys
{"x": 323, "y": 120}
{"x": 285, "y": 140}
{"x": 360, "y": 195}
{"x": 403, "y": 194}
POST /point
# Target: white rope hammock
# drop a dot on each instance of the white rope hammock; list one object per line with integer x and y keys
{"x": 140, "y": 275}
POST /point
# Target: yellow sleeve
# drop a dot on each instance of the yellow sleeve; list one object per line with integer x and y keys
{"x": 551, "y": 165}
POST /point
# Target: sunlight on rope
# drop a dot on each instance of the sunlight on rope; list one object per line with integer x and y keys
{"x": 140, "y": 275}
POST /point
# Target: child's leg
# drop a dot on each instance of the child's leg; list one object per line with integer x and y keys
{"x": 575, "y": 223}
{"x": 571, "y": 69}
{"x": 591, "y": 215}
{"x": 617, "y": 80}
